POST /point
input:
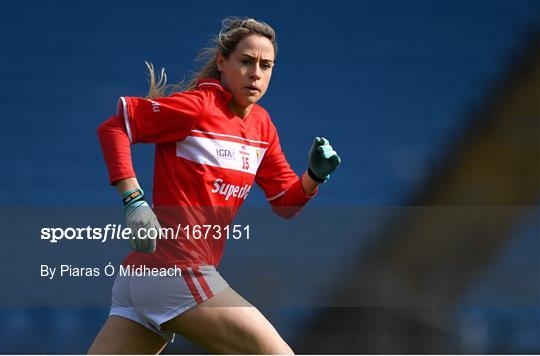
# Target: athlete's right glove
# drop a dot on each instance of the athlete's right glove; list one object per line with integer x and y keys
{"x": 323, "y": 160}
{"x": 142, "y": 220}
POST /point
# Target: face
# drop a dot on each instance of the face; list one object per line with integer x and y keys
{"x": 246, "y": 73}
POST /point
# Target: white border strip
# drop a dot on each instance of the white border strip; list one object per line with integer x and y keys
{"x": 278, "y": 195}
{"x": 207, "y": 83}
{"x": 126, "y": 118}
{"x": 231, "y": 136}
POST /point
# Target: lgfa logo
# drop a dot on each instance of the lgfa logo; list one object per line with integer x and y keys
{"x": 224, "y": 153}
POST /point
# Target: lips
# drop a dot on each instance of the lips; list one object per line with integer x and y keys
{"x": 250, "y": 87}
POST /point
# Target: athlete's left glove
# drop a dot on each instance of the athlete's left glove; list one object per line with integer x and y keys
{"x": 142, "y": 220}
{"x": 323, "y": 160}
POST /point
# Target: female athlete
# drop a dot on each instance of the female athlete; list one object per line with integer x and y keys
{"x": 212, "y": 141}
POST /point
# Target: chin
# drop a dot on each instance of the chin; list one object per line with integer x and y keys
{"x": 251, "y": 100}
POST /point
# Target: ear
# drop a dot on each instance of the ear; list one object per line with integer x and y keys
{"x": 219, "y": 61}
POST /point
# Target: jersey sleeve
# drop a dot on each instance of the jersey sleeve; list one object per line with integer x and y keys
{"x": 116, "y": 148}
{"x": 160, "y": 120}
{"x": 281, "y": 185}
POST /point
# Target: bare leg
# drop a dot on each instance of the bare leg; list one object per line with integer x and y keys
{"x": 123, "y": 336}
{"x": 227, "y": 323}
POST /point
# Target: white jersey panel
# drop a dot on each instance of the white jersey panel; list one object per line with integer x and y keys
{"x": 220, "y": 153}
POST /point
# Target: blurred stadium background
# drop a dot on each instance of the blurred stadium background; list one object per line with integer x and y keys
{"x": 433, "y": 106}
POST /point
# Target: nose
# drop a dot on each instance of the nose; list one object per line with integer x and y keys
{"x": 256, "y": 73}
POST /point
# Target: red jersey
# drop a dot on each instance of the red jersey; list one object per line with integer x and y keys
{"x": 207, "y": 159}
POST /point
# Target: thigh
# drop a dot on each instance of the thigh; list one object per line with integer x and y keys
{"x": 123, "y": 336}
{"x": 227, "y": 323}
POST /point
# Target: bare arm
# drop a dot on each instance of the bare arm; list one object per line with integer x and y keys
{"x": 123, "y": 185}
{"x": 308, "y": 184}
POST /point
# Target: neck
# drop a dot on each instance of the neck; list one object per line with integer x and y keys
{"x": 240, "y": 111}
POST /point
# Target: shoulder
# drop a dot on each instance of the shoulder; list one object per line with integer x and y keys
{"x": 262, "y": 115}
{"x": 205, "y": 90}
{"x": 261, "y": 111}
{"x": 211, "y": 88}
{"x": 262, "y": 120}
{"x": 206, "y": 97}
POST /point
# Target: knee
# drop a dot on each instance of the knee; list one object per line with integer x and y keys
{"x": 285, "y": 350}
{"x": 277, "y": 348}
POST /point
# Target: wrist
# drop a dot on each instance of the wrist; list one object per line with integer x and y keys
{"x": 308, "y": 184}
{"x": 133, "y": 197}
{"x": 126, "y": 184}
{"x": 315, "y": 177}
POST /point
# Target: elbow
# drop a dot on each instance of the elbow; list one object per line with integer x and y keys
{"x": 103, "y": 129}
{"x": 112, "y": 125}
{"x": 285, "y": 211}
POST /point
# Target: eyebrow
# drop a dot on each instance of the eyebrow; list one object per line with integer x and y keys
{"x": 251, "y": 57}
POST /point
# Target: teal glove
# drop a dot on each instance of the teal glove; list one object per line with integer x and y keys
{"x": 323, "y": 160}
{"x": 140, "y": 218}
